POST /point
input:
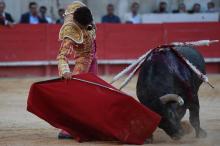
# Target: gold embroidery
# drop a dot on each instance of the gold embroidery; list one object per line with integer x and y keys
{"x": 65, "y": 51}
{"x": 71, "y": 31}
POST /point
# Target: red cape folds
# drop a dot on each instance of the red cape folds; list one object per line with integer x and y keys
{"x": 91, "y": 112}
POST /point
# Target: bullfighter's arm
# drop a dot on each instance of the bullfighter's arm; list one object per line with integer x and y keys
{"x": 65, "y": 51}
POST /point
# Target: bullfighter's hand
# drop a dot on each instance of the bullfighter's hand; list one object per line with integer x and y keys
{"x": 67, "y": 75}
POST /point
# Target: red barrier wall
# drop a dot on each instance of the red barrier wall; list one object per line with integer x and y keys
{"x": 40, "y": 42}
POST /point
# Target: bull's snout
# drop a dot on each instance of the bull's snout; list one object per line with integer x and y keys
{"x": 178, "y": 136}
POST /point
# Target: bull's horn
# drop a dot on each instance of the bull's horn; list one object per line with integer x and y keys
{"x": 172, "y": 97}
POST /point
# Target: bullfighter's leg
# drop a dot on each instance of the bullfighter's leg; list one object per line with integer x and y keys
{"x": 194, "y": 118}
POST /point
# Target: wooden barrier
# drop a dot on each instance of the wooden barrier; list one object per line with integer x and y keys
{"x": 30, "y": 49}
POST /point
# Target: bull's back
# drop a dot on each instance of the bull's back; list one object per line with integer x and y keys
{"x": 163, "y": 72}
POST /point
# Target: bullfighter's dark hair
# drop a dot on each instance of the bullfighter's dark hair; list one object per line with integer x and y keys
{"x": 83, "y": 16}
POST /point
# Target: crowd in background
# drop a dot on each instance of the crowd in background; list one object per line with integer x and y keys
{"x": 37, "y": 14}
{"x": 134, "y": 16}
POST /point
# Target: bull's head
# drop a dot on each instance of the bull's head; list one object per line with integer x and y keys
{"x": 170, "y": 122}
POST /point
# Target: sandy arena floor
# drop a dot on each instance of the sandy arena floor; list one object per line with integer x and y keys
{"x": 20, "y": 128}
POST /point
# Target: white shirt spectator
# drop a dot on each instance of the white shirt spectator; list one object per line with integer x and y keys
{"x": 49, "y": 19}
{"x": 34, "y": 19}
{"x": 129, "y": 18}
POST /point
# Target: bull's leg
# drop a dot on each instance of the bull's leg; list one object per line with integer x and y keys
{"x": 194, "y": 119}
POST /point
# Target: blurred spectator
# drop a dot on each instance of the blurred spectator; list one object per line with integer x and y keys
{"x": 43, "y": 12}
{"x": 162, "y": 8}
{"x": 110, "y": 17}
{"x": 196, "y": 8}
{"x": 211, "y": 7}
{"x": 61, "y": 18}
{"x": 133, "y": 17}
{"x": 32, "y": 17}
{"x": 181, "y": 8}
{"x": 5, "y": 18}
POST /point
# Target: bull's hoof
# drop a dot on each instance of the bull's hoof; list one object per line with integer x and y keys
{"x": 201, "y": 134}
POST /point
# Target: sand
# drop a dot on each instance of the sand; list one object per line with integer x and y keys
{"x": 20, "y": 128}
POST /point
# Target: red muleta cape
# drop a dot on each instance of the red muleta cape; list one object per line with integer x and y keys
{"x": 91, "y": 112}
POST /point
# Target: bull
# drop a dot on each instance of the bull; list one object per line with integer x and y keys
{"x": 169, "y": 87}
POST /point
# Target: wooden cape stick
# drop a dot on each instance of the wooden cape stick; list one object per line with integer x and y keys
{"x": 100, "y": 85}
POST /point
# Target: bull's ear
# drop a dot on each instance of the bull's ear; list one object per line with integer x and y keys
{"x": 171, "y": 97}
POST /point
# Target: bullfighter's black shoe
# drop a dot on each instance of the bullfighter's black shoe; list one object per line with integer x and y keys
{"x": 64, "y": 135}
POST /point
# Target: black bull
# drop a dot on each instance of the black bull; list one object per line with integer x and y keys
{"x": 163, "y": 72}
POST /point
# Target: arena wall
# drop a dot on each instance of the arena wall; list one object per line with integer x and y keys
{"x": 30, "y": 50}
